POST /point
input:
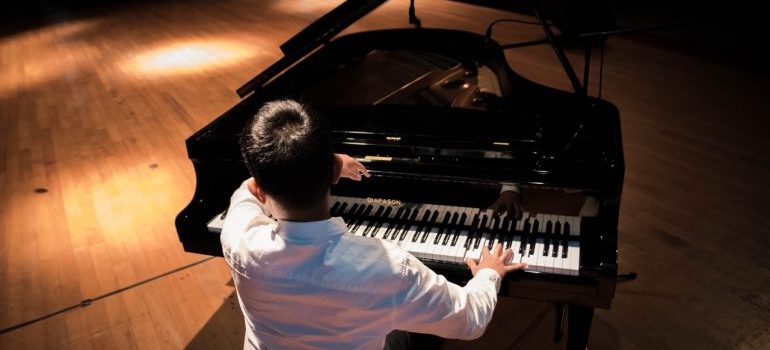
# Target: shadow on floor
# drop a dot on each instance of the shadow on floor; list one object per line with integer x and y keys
{"x": 224, "y": 330}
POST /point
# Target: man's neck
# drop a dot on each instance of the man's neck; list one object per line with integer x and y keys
{"x": 305, "y": 216}
{"x": 315, "y": 213}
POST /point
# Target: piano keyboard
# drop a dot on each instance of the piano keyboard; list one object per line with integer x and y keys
{"x": 450, "y": 234}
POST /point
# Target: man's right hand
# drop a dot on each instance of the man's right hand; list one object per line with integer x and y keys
{"x": 494, "y": 260}
{"x": 348, "y": 167}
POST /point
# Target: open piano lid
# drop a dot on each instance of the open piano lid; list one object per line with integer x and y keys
{"x": 310, "y": 38}
{"x": 320, "y": 32}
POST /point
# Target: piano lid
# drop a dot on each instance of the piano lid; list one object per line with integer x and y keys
{"x": 320, "y": 32}
{"x": 313, "y": 36}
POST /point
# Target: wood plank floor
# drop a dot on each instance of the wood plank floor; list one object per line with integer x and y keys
{"x": 93, "y": 171}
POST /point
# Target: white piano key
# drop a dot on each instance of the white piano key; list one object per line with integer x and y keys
{"x": 443, "y": 253}
{"x": 409, "y": 228}
{"x": 474, "y": 251}
{"x": 458, "y": 251}
{"x": 215, "y": 224}
{"x": 515, "y": 256}
{"x": 520, "y": 222}
{"x": 537, "y": 258}
{"x": 434, "y": 247}
{"x": 547, "y": 258}
{"x": 434, "y": 253}
{"x": 573, "y": 255}
{"x": 421, "y": 248}
{"x": 358, "y": 231}
{"x": 558, "y": 261}
{"x": 574, "y": 223}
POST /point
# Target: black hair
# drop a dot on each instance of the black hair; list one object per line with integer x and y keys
{"x": 288, "y": 151}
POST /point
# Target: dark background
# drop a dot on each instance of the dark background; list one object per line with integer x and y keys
{"x": 731, "y": 33}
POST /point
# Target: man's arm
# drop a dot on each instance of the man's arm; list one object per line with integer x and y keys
{"x": 435, "y": 306}
{"x": 348, "y": 167}
{"x": 244, "y": 208}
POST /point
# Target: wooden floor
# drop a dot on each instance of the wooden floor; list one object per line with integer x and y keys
{"x": 95, "y": 108}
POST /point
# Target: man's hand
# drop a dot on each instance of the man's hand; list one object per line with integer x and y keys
{"x": 509, "y": 202}
{"x": 346, "y": 166}
{"x": 494, "y": 260}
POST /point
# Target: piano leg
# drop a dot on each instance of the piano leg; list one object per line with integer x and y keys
{"x": 579, "y": 326}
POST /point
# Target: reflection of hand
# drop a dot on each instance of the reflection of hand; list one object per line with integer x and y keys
{"x": 349, "y": 168}
{"x": 494, "y": 260}
{"x": 509, "y": 202}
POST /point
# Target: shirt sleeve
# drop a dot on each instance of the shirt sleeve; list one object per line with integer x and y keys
{"x": 243, "y": 211}
{"x": 436, "y": 306}
{"x": 508, "y": 186}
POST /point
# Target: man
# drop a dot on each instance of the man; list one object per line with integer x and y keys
{"x": 303, "y": 281}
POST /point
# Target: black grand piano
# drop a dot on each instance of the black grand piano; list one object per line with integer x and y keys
{"x": 441, "y": 121}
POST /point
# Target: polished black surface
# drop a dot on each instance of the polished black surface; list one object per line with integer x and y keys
{"x": 439, "y": 117}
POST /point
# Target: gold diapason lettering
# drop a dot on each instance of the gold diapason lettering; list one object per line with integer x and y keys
{"x": 385, "y": 201}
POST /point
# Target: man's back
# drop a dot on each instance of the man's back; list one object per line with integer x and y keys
{"x": 302, "y": 281}
{"x": 314, "y": 286}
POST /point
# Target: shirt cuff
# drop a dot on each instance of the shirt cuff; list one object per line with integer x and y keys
{"x": 488, "y": 274}
{"x": 509, "y": 187}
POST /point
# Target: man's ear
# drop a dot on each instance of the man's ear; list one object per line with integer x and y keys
{"x": 256, "y": 190}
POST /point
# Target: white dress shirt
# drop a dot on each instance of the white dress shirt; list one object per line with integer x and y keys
{"x": 313, "y": 285}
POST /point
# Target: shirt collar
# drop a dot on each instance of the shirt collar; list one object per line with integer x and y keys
{"x": 311, "y": 230}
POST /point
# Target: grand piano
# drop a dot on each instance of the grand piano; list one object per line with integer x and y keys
{"x": 441, "y": 122}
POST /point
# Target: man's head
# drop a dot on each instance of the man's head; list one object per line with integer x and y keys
{"x": 288, "y": 151}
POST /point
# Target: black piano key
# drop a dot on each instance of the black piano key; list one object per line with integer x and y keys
{"x": 361, "y": 218}
{"x": 442, "y": 229}
{"x": 429, "y": 226}
{"x": 375, "y": 218}
{"x": 378, "y": 225}
{"x": 423, "y": 224}
{"x": 354, "y": 216}
{"x": 402, "y": 224}
{"x": 452, "y": 228}
{"x": 333, "y": 210}
{"x": 346, "y": 215}
{"x": 341, "y": 209}
{"x": 481, "y": 232}
{"x": 508, "y": 228}
{"x": 565, "y": 240}
{"x": 547, "y": 238}
{"x": 459, "y": 229}
{"x": 472, "y": 231}
{"x": 493, "y": 231}
{"x": 533, "y": 236}
{"x": 393, "y": 223}
{"x": 525, "y": 236}
{"x": 556, "y": 239}
{"x": 409, "y": 223}
{"x": 399, "y": 225}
